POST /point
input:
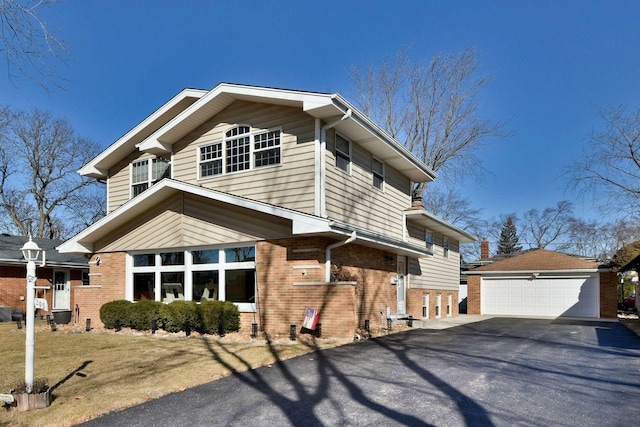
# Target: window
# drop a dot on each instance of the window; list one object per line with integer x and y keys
{"x": 377, "y": 167}
{"x": 85, "y": 278}
{"x": 449, "y": 303}
{"x": 235, "y": 153}
{"x": 226, "y": 274}
{"x": 428, "y": 238}
{"x": 266, "y": 149}
{"x": 438, "y": 306}
{"x": 238, "y": 145}
{"x": 343, "y": 154}
{"x": 445, "y": 245}
{"x": 211, "y": 160}
{"x": 145, "y": 173}
{"x": 425, "y": 306}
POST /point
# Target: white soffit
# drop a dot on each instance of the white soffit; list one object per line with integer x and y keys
{"x": 98, "y": 167}
{"x": 439, "y": 225}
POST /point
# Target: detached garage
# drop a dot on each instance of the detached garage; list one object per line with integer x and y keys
{"x": 542, "y": 283}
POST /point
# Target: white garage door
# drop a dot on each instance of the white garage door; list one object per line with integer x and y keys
{"x": 571, "y": 297}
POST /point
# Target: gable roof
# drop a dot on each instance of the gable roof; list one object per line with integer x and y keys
{"x": 301, "y": 223}
{"x": 537, "y": 260}
{"x": 191, "y": 108}
{"x": 10, "y": 252}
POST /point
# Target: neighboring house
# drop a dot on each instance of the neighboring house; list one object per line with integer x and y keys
{"x": 61, "y": 274}
{"x": 540, "y": 282}
{"x": 275, "y": 200}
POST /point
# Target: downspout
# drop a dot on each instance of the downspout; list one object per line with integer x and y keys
{"x": 323, "y": 162}
{"x": 327, "y": 255}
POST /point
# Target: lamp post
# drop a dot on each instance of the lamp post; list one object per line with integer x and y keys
{"x": 30, "y": 251}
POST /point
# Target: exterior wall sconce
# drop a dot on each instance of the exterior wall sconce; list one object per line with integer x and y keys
{"x": 389, "y": 260}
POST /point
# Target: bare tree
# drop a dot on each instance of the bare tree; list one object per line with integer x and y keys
{"x": 432, "y": 107}
{"x": 449, "y": 205}
{"x": 39, "y": 186}
{"x": 549, "y": 226}
{"x": 29, "y": 46}
{"x": 610, "y": 166}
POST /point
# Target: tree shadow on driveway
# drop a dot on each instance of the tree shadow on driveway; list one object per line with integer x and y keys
{"x": 299, "y": 407}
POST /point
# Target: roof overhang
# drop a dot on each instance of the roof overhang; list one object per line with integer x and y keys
{"x": 301, "y": 223}
{"x": 432, "y": 222}
{"x": 192, "y": 108}
{"x": 98, "y": 167}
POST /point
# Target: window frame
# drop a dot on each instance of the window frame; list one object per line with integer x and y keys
{"x": 339, "y": 153}
{"x": 446, "y": 245}
{"x": 188, "y": 267}
{"x": 429, "y": 239}
{"x": 151, "y": 174}
{"x": 223, "y": 150}
{"x": 380, "y": 175}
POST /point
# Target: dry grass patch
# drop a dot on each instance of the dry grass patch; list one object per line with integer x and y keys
{"x": 98, "y": 372}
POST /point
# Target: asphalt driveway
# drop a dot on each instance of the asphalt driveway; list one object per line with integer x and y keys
{"x": 497, "y": 372}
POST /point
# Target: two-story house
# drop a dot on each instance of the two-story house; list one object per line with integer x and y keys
{"x": 276, "y": 200}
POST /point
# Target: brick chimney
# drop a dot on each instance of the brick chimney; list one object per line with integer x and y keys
{"x": 484, "y": 248}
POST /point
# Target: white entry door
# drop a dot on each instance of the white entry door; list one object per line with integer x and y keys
{"x": 61, "y": 290}
{"x": 402, "y": 285}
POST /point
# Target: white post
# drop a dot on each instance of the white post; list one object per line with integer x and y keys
{"x": 30, "y": 325}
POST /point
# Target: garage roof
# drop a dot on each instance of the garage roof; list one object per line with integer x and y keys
{"x": 538, "y": 260}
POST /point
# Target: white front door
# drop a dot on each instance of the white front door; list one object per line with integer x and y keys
{"x": 61, "y": 290}
{"x": 402, "y": 285}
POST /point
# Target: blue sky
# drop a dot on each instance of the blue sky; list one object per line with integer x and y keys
{"x": 552, "y": 64}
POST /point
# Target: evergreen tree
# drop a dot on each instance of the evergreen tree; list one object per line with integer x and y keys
{"x": 508, "y": 242}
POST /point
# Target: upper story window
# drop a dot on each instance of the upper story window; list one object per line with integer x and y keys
{"x": 343, "y": 154}
{"x": 145, "y": 173}
{"x": 377, "y": 168}
{"x": 445, "y": 245}
{"x": 240, "y": 150}
{"x": 428, "y": 237}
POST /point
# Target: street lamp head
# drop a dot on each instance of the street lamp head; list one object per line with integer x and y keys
{"x": 30, "y": 250}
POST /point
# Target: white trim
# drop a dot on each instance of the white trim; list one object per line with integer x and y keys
{"x": 432, "y": 222}
{"x": 127, "y": 141}
{"x": 349, "y": 170}
{"x": 384, "y": 174}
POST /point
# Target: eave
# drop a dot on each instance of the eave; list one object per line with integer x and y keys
{"x": 98, "y": 167}
{"x": 438, "y": 225}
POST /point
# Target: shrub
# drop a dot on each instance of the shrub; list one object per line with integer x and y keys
{"x": 219, "y": 316}
{"x": 115, "y": 312}
{"x": 231, "y": 317}
{"x": 142, "y": 313}
{"x": 211, "y": 316}
{"x": 180, "y": 316}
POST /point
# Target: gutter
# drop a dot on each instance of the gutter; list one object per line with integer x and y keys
{"x": 327, "y": 263}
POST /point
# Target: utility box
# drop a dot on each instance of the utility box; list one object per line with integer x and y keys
{"x": 5, "y": 314}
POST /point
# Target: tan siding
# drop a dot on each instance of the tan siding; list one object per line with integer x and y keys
{"x": 187, "y": 221}
{"x": 436, "y": 272}
{"x": 290, "y": 184}
{"x": 353, "y": 198}
{"x": 120, "y": 180}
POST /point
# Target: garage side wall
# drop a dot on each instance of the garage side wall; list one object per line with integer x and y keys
{"x": 473, "y": 294}
{"x": 608, "y": 295}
